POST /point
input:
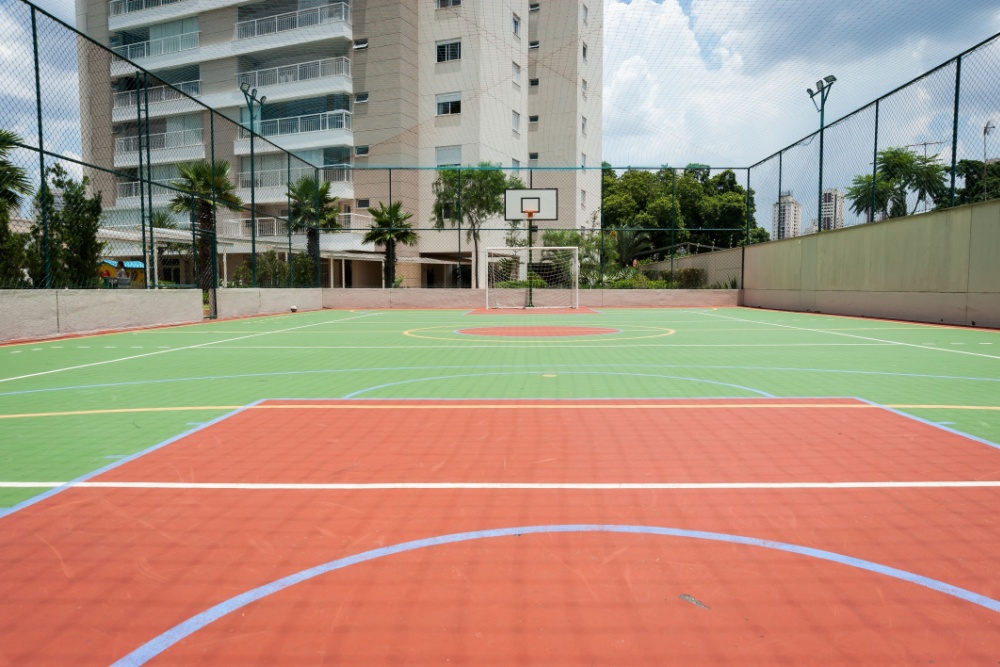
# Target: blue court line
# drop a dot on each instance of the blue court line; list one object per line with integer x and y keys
{"x": 477, "y": 375}
{"x": 158, "y": 645}
{"x": 111, "y": 466}
{"x": 937, "y": 425}
{"x": 421, "y": 368}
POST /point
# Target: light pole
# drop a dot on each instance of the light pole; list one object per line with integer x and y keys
{"x": 251, "y": 98}
{"x": 822, "y": 91}
{"x": 986, "y": 130}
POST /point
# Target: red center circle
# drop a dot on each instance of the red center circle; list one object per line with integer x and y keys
{"x": 538, "y": 332}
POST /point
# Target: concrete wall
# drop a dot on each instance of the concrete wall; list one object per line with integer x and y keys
{"x": 937, "y": 267}
{"x": 466, "y": 298}
{"x": 245, "y": 302}
{"x": 721, "y": 267}
{"x": 28, "y": 314}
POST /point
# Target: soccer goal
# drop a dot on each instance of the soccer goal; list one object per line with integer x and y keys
{"x": 537, "y": 277}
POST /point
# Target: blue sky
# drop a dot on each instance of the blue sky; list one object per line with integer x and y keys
{"x": 723, "y": 82}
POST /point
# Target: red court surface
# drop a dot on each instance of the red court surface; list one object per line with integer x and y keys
{"x": 539, "y": 332}
{"x": 93, "y": 573}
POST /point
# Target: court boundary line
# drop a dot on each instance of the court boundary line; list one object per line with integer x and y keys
{"x": 157, "y": 645}
{"x": 936, "y": 425}
{"x": 511, "y": 486}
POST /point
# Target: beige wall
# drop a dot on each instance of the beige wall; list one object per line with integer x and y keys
{"x": 936, "y": 267}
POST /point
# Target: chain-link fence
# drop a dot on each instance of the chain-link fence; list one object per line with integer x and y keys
{"x": 116, "y": 177}
{"x": 925, "y": 145}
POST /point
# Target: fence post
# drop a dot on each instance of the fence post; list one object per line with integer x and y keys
{"x": 44, "y": 190}
{"x": 746, "y": 235}
{"x": 213, "y": 304}
{"x": 871, "y": 215}
{"x": 460, "y": 225}
{"x": 149, "y": 181}
{"x": 143, "y": 175}
{"x": 954, "y": 128}
{"x": 288, "y": 220}
{"x": 316, "y": 273}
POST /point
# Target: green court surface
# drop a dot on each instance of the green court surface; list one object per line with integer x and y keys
{"x": 72, "y": 406}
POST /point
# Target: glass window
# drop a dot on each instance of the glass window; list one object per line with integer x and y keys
{"x": 450, "y": 50}
{"x": 448, "y": 156}
{"x": 361, "y": 150}
{"x": 516, "y": 73}
{"x": 448, "y": 103}
{"x": 515, "y": 121}
{"x": 516, "y": 24}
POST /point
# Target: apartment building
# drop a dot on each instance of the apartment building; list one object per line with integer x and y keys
{"x": 832, "y": 215}
{"x": 786, "y": 217}
{"x": 356, "y": 88}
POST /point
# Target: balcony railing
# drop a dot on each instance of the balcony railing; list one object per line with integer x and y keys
{"x": 159, "y": 47}
{"x": 158, "y": 94}
{"x": 133, "y": 189}
{"x": 355, "y": 221}
{"x": 119, "y": 7}
{"x": 230, "y": 228}
{"x": 270, "y": 25}
{"x": 270, "y": 178}
{"x": 275, "y": 76}
{"x": 159, "y": 142}
{"x": 330, "y": 120}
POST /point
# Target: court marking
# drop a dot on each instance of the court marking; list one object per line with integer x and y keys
{"x": 759, "y": 392}
{"x": 110, "y": 411}
{"x": 173, "y": 349}
{"x": 504, "y": 486}
{"x": 839, "y": 333}
{"x": 158, "y": 645}
{"x": 501, "y": 339}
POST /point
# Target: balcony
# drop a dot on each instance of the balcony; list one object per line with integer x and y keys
{"x": 335, "y": 13}
{"x": 272, "y": 184}
{"x": 243, "y": 228}
{"x": 276, "y": 76}
{"x": 317, "y": 122}
{"x": 159, "y": 47}
{"x": 180, "y": 146}
{"x": 158, "y": 94}
{"x": 119, "y": 7}
{"x": 130, "y": 191}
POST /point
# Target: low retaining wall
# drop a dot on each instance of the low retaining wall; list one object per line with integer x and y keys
{"x": 467, "y": 298}
{"x": 245, "y": 302}
{"x": 33, "y": 314}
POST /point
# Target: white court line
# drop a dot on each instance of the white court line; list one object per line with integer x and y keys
{"x": 838, "y": 333}
{"x": 433, "y": 486}
{"x": 176, "y": 349}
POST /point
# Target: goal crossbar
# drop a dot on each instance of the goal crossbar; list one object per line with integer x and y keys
{"x": 535, "y": 277}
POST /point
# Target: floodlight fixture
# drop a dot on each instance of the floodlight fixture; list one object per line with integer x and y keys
{"x": 822, "y": 91}
{"x": 244, "y": 86}
{"x": 830, "y": 79}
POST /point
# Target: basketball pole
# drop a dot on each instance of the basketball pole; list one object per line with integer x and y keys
{"x": 531, "y": 229}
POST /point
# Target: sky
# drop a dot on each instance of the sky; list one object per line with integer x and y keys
{"x": 723, "y": 82}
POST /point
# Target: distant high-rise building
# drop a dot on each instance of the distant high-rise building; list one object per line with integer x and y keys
{"x": 832, "y": 215}
{"x": 786, "y": 218}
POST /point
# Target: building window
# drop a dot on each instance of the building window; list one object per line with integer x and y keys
{"x": 586, "y": 13}
{"x": 515, "y": 165}
{"x": 533, "y": 82}
{"x": 361, "y": 98}
{"x": 515, "y": 121}
{"x": 515, "y": 24}
{"x": 584, "y": 50}
{"x": 532, "y": 120}
{"x": 363, "y": 203}
{"x": 361, "y": 150}
{"x": 360, "y": 44}
{"x": 516, "y": 73}
{"x": 533, "y": 45}
{"x": 450, "y": 50}
{"x": 583, "y": 199}
{"x": 583, "y": 124}
{"x": 532, "y": 160}
{"x": 532, "y": 156}
{"x": 583, "y": 159}
{"x": 534, "y": 7}
{"x": 583, "y": 87}
{"x": 448, "y": 156}
{"x": 448, "y": 3}
{"x": 448, "y": 104}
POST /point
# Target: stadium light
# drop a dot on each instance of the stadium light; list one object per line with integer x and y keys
{"x": 254, "y": 106}
{"x": 986, "y": 130}
{"x": 822, "y": 91}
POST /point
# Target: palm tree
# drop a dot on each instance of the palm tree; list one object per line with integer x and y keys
{"x": 390, "y": 227}
{"x": 198, "y": 183}
{"x": 13, "y": 186}
{"x": 314, "y": 209}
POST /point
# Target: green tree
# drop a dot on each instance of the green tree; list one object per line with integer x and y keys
{"x": 389, "y": 227}
{"x": 70, "y": 256}
{"x": 313, "y": 209}
{"x": 14, "y": 186}
{"x": 975, "y": 188}
{"x": 198, "y": 183}
{"x": 899, "y": 174}
{"x": 468, "y": 198}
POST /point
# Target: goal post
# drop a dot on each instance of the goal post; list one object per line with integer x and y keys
{"x": 535, "y": 277}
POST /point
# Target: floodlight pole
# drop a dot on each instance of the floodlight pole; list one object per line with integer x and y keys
{"x": 986, "y": 130}
{"x": 822, "y": 91}
{"x": 251, "y": 98}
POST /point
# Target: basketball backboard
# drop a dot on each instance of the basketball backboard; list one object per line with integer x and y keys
{"x": 543, "y": 201}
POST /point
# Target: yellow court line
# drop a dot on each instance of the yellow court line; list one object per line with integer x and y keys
{"x": 121, "y": 410}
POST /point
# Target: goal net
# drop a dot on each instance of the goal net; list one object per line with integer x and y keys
{"x": 538, "y": 277}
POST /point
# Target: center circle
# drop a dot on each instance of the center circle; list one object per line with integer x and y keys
{"x": 538, "y": 332}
